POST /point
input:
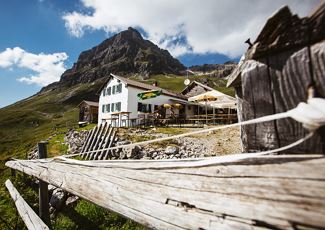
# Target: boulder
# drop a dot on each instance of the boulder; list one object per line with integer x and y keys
{"x": 171, "y": 150}
{"x": 132, "y": 152}
{"x": 71, "y": 200}
{"x": 58, "y": 198}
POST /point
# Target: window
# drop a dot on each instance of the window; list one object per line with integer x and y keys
{"x": 103, "y": 108}
{"x": 139, "y": 106}
{"x": 109, "y": 89}
{"x": 145, "y": 108}
{"x": 104, "y": 91}
{"x": 107, "y": 108}
{"x": 119, "y": 88}
{"x": 114, "y": 88}
{"x": 118, "y": 106}
{"x": 112, "y": 107}
{"x": 156, "y": 107}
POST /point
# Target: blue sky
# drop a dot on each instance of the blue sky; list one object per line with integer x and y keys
{"x": 49, "y": 35}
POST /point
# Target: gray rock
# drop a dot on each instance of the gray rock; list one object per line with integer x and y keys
{"x": 58, "y": 198}
{"x": 132, "y": 152}
{"x": 171, "y": 150}
{"x": 71, "y": 200}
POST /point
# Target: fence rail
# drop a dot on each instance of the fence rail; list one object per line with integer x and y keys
{"x": 30, "y": 218}
{"x": 279, "y": 192}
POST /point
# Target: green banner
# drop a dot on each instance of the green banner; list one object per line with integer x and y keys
{"x": 149, "y": 94}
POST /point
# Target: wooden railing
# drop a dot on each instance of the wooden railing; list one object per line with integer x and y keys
{"x": 276, "y": 192}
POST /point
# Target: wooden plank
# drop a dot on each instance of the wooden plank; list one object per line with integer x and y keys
{"x": 104, "y": 154}
{"x": 260, "y": 192}
{"x": 257, "y": 102}
{"x": 103, "y": 141}
{"x": 106, "y": 143}
{"x": 31, "y": 220}
{"x": 97, "y": 140}
{"x": 291, "y": 75}
{"x": 86, "y": 142}
{"x": 44, "y": 207}
{"x": 317, "y": 53}
{"x": 318, "y": 62}
{"x": 91, "y": 134}
{"x": 97, "y": 128}
{"x": 112, "y": 140}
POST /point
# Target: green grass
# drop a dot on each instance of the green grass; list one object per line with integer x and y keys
{"x": 90, "y": 216}
{"x": 29, "y": 121}
{"x": 176, "y": 83}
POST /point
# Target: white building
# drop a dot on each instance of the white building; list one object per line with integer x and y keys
{"x": 119, "y": 94}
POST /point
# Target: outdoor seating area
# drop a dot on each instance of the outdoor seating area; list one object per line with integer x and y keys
{"x": 167, "y": 116}
{"x": 127, "y": 103}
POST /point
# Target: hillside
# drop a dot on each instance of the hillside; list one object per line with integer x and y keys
{"x": 54, "y": 111}
{"x": 213, "y": 70}
{"x": 29, "y": 121}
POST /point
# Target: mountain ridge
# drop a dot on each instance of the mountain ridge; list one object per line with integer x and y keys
{"x": 128, "y": 53}
{"x": 125, "y": 53}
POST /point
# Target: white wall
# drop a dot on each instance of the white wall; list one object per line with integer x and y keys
{"x": 129, "y": 100}
{"x": 113, "y": 98}
{"x": 133, "y": 101}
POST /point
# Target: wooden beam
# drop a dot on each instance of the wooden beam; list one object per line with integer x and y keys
{"x": 44, "y": 208}
{"x": 271, "y": 191}
{"x": 31, "y": 220}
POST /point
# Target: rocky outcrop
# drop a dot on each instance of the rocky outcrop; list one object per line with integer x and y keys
{"x": 125, "y": 53}
{"x": 215, "y": 70}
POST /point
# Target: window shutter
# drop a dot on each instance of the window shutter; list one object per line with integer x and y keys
{"x": 104, "y": 90}
{"x": 118, "y": 106}
{"x": 114, "y": 89}
{"x": 107, "y": 108}
{"x": 149, "y": 108}
{"x": 103, "y": 108}
{"x": 113, "y": 107}
{"x": 119, "y": 88}
{"x": 109, "y": 89}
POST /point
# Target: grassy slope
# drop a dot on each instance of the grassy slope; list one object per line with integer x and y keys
{"x": 176, "y": 83}
{"x": 29, "y": 121}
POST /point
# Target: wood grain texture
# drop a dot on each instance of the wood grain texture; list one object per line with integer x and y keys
{"x": 291, "y": 75}
{"x": 257, "y": 102}
{"x": 261, "y": 192}
{"x": 31, "y": 220}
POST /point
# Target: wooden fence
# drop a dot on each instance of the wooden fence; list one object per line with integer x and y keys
{"x": 275, "y": 192}
{"x": 100, "y": 137}
{"x": 27, "y": 214}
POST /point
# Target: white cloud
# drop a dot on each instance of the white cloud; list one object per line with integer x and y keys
{"x": 209, "y": 26}
{"x": 47, "y": 67}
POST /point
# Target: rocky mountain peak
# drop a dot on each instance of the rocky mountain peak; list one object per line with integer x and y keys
{"x": 125, "y": 53}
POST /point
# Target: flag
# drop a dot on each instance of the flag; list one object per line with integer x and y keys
{"x": 149, "y": 94}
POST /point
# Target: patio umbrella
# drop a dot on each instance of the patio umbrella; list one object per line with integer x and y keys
{"x": 149, "y": 94}
{"x": 177, "y": 106}
{"x": 167, "y": 106}
{"x": 206, "y": 97}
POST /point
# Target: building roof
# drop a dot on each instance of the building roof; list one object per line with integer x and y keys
{"x": 144, "y": 86}
{"x": 189, "y": 87}
{"x": 91, "y": 103}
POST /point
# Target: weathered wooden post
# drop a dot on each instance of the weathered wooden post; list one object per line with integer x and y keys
{"x": 44, "y": 209}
